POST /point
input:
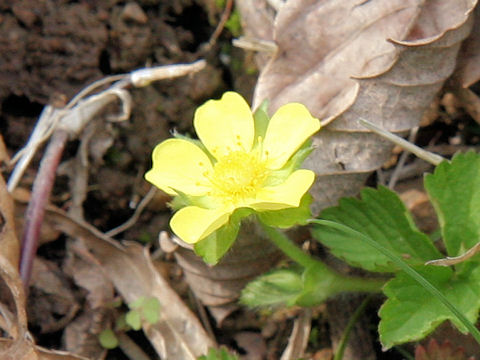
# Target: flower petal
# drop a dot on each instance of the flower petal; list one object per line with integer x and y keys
{"x": 181, "y": 165}
{"x": 288, "y": 129}
{"x": 225, "y": 125}
{"x": 193, "y": 223}
{"x": 285, "y": 195}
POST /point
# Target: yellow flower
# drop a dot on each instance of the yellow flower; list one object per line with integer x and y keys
{"x": 235, "y": 168}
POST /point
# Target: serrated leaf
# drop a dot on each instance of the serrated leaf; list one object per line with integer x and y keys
{"x": 382, "y": 216}
{"x": 287, "y": 218}
{"x": 134, "y": 319}
{"x": 454, "y": 189}
{"x": 108, "y": 339}
{"x": 410, "y": 312}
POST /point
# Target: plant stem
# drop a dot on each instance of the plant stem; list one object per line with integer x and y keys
{"x": 42, "y": 188}
{"x": 337, "y": 283}
{"x": 288, "y": 247}
{"x": 411, "y": 272}
{"x": 351, "y": 323}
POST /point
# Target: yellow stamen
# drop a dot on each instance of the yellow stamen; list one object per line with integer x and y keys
{"x": 237, "y": 176}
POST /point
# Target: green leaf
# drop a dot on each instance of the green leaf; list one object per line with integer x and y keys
{"x": 274, "y": 288}
{"x": 151, "y": 310}
{"x": 382, "y": 216}
{"x": 287, "y": 218}
{"x": 214, "y": 246}
{"x": 261, "y": 120}
{"x": 134, "y": 319}
{"x": 454, "y": 189}
{"x": 410, "y": 312}
{"x": 138, "y": 303}
{"x": 108, "y": 339}
{"x": 218, "y": 354}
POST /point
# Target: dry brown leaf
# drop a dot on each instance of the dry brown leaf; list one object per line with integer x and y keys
{"x": 380, "y": 60}
{"x": 468, "y": 68}
{"x": 448, "y": 261}
{"x": 26, "y": 350}
{"x": 178, "y": 334}
{"x": 51, "y": 302}
{"x": 219, "y": 286}
{"x": 13, "y": 317}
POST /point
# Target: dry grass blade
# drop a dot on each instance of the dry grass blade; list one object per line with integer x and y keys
{"x": 297, "y": 343}
{"x": 178, "y": 334}
{"x": 448, "y": 261}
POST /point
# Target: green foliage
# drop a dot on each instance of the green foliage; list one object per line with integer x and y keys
{"x": 277, "y": 287}
{"x": 214, "y": 246}
{"x": 144, "y": 308}
{"x": 382, "y": 216}
{"x": 454, "y": 188}
{"x": 410, "y": 311}
{"x": 218, "y": 354}
{"x": 286, "y": 218}
{"x": 107, "y": 339}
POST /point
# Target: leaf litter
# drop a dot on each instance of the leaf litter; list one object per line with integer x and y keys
{"x": 341, "y": 82}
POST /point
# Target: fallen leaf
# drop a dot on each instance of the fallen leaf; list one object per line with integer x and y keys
{"x": 380, "y": 60}
{"x": 219, "y": 286}
{"x": 468, "y": 68}
{"x": 178, "y": 334}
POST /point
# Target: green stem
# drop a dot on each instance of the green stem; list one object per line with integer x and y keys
{"x": 351, "y": 323}
{"x": 288, "y": 247}
{"x": 405, "y": 267}
{"x": 338, "y": 283}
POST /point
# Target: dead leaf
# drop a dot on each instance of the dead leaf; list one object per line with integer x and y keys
{"x": 26, "y": 350}
{"x": 219, "y": 286}
{"x": 178, "y": 334}
{"x": 380, "y": 60}
{"x": 468, "y": 68}
{"x": 13, "y": 319}
{"x": 51, "y": 303}
{"x": 13, "y": 315}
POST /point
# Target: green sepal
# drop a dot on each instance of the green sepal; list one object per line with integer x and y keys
{"x": 294, "y": 163}
{"x": 182, "y": 200}
{"x": 261, "y": 120}
{"x": 215, "y": 245}
{"x": 197, "y": 142}
{"x": 275, "y": 288}
{"x": 286, "y": 218}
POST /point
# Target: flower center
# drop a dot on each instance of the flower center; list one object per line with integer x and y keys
{"x": 238, "y": 176}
